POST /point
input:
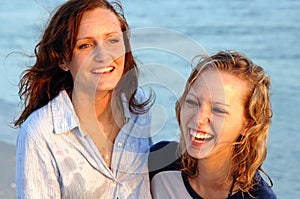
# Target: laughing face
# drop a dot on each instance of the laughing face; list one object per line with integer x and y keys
{"x": 98, "y": 57}
{"x": 212, "y": 114}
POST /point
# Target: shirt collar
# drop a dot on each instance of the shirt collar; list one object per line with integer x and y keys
{"x": 64, "y": 116}
{"x": 63, "y": 113}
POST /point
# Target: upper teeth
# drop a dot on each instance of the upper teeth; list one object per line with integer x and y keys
{"x": 200, "y": 135}
{"x": 103, "y": 70}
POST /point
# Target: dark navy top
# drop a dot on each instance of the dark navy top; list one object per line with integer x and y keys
{"x": 163, "y": 159}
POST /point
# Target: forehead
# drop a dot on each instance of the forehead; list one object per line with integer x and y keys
{"x": 100, "y": 17}
{"x": 219, "y": 86}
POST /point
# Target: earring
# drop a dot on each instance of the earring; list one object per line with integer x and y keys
{"x": 64, "y": 67}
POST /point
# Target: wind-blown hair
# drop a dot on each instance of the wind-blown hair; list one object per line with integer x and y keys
{"x": 45, "y": 79}
{"x": 250, "y": 150}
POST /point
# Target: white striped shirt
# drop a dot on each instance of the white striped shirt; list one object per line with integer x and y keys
{"x": 55, "y": 159}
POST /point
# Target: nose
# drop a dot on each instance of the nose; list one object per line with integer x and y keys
{"x": 102, "y": 54}
{"x": 203, "y": 115}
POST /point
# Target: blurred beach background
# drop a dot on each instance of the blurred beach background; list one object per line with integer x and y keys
{"x": 165, "y": 35}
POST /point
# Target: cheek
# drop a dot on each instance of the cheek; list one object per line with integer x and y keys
{"x": 119, "y": 55}
{"x": 218, "y": 125}
{"x": 78, "y": 63}
{"x": 73, "y": 70}
{"x": 239, "y": 122}
{"x": 185, "y": 118}
{"x": 120, "y": 61}
{"x": 182, "y": 119}
{"x": 232, "y": 129}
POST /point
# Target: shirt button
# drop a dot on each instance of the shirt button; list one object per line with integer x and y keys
{"x": 119, "y": 144}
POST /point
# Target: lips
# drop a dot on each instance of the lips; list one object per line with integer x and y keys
{"x": 103, "y": 70}
{"x": 200, "y": 137}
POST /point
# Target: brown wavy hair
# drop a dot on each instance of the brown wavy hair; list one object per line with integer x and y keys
{"x": 250, "y": 150}
{"x": 45, "y": 79}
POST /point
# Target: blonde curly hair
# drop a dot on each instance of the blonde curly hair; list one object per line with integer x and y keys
{"x": 250, "y": 149}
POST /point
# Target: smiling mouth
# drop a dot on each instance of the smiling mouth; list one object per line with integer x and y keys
{"x": 200, "y": 136}
{"x": 104, "y": 70}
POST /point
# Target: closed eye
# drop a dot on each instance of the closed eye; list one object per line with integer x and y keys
{"x": 191, "y": 102}
{"x": 219, "y": 110}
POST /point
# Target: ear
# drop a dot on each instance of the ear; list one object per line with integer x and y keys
{"x": 64, "y": 66}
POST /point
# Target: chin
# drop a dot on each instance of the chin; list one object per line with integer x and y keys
{"x": 106, "y": 87}
{"x": 199, "y": 152}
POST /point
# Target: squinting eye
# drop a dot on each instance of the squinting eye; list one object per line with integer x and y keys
{"x": 219, "y": 110}
{"x": 84, "y": 46}
{"x": 191, "y": 102}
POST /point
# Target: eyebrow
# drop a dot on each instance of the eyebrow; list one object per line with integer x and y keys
{"x": 220, "y": 103}
{"x": 106, "y": 35}
{"x": 191, "y": 95}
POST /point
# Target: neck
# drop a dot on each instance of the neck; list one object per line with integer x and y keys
{"x": 92, "y": 107}
{"x": 100, "y": 118}
{"x": 215, "y": 167}
{"x": 213, "y": 180}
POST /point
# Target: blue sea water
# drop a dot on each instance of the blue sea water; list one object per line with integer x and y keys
{"x": 165, "y": 36}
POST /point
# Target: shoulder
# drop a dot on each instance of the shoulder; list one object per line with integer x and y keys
{"x": 168, "y": 178}
{"x": 33, "y": 133}
{"x": 263, "y": 189}
{"x": 163, "y": 157}
{"x": 163, "y": 145}
{"x": 38, "y": 121}
{"x": 169, "y": 184}
{"x": 145, "y": 99}
{"x": 58, "y": 106}
{"x": 140, "y": 95}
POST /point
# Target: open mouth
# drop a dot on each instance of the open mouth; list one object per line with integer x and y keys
{"x": 104, "y": 70}
{"x": 200, "y": 136}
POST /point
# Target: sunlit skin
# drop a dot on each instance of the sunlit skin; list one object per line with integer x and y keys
{"x": 213, "y": 113}
{"x": 98, "y": 58}
{"x": 212, "y": 117}
{"x": 96, "y": 67}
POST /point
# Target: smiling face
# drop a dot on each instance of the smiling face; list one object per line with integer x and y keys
{"x": 212, "y": 114}
{"x": 98, "y": 58}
